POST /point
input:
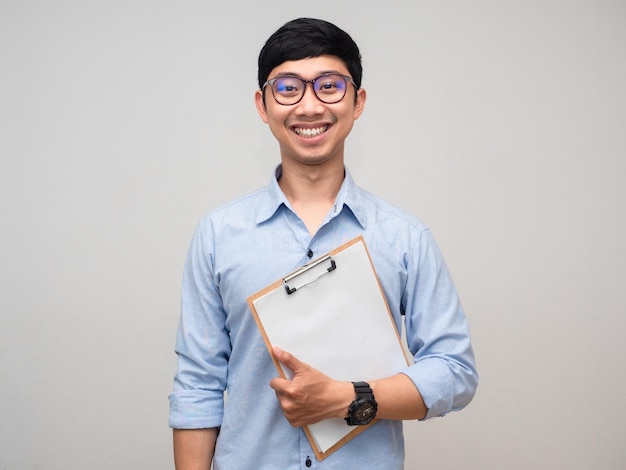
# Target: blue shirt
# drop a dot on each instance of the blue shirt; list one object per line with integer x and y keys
{"x": 248, "y": 244}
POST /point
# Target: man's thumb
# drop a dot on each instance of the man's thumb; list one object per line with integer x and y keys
{"x": 286, "y": 358}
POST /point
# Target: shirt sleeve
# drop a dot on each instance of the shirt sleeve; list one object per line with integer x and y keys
{"x": 437, "y": 332}
{"x": 202, "y": 341}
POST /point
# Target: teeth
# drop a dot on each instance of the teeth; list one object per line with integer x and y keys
{"x": 310, "y": 132}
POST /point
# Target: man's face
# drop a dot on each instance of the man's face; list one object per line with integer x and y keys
{"x": 311, "y": 132}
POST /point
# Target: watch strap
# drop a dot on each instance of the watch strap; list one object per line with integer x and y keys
{"x": 357, "y": 414}
{"x": 363, "y": 390}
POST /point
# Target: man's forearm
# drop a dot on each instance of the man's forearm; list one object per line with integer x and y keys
{"x": 310, "y": 396}
{"x": 398, "y": 398}
{"x": 193, "y": 448}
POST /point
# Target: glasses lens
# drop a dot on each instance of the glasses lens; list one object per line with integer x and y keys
{"x": 287, "y": 90}
{"x": 330, "y": 88}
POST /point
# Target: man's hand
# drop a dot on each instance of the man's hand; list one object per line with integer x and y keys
{"x": 310, "y": 396}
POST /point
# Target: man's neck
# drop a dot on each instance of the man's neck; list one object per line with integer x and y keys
{"x": 311, "y": 191}
{"x": 311, "y": 184}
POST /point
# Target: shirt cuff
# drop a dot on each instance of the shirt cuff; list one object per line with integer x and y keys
{"x": 193, "y": 409}
{"x": 433, "y": 379}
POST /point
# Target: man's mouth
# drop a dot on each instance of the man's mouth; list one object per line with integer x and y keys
{"x": 313, "y": 132}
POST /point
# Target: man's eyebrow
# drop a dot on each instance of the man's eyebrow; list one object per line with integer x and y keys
{"x": 319, "y": 74}
{"x": 287, "y": 74}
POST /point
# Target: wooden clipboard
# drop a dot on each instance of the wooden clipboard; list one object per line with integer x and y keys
{"x": 332, "y": 314}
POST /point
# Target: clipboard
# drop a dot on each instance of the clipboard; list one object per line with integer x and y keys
{"x": 332, "y": 314}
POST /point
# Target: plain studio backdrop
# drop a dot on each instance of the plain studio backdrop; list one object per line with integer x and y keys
{"x": 500, "y": 124}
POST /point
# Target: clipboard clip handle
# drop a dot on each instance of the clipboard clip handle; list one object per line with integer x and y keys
{"x": 305, "y": 269}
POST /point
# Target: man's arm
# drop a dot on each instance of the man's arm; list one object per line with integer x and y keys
{"x": 310, "y": 396}
{"x": 398, "y": 398}
{"x": 193, "y": 448}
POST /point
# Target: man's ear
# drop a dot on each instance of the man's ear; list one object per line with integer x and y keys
{"x": 260, "y": 105}
{"x": 359, "y": 102}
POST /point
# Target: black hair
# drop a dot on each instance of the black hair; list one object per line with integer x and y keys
{"x": 307, "y": 37}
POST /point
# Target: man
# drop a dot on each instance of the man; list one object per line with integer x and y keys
{"x": 310, "y": 95}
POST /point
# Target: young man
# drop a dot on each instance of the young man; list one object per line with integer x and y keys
{"x": 310, "y": 95}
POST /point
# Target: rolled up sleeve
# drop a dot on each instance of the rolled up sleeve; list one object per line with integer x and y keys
{"x": 437, "y": 332}
{"x": 202, "y": 342}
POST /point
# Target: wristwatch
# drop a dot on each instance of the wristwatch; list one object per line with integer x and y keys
{"x": 363, "y": 409}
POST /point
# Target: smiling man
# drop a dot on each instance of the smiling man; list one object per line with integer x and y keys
{"x": 311, "y": 129}
{"x": 310, "y": 96}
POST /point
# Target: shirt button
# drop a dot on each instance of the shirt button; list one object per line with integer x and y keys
{"x": 308, "y": 462}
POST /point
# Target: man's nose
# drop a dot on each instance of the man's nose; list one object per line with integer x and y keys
{"x": 310, "y": 103}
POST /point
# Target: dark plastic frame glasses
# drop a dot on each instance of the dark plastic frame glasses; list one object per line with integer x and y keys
{"x": 329, "y": 88}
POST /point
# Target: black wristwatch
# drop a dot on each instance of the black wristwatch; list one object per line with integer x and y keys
{"x": 363, "y": 409}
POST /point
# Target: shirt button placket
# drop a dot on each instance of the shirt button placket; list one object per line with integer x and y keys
{"x": 307, "y": 457}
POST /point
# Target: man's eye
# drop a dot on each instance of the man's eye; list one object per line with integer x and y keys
{"x": 286, "y": 87}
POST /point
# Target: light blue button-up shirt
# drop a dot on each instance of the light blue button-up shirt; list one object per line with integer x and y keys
{"x": 248, "y": 244}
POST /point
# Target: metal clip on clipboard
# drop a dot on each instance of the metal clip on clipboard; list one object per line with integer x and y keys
{"x": 308, "y": 274}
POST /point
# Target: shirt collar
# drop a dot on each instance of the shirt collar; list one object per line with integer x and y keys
{"x": 349, "y": 196}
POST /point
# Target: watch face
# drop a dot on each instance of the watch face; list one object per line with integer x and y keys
{"x": 365, "y": 412}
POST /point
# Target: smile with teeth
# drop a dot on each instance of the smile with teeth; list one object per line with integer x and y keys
{"x": 310, "y": 132}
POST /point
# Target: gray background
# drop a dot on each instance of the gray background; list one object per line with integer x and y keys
{"x": 500, "y": 124}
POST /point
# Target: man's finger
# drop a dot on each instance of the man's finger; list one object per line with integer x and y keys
{"x": 287, "y": 359}
{"x": 278, "y": 384}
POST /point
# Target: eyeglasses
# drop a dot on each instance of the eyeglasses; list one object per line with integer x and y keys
{"x": 289, "y": 89}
